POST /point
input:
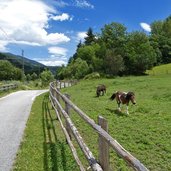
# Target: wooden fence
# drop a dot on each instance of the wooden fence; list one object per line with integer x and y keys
{"x": 105, "y": 140}
{"x": 8, "y": 87}
{"x": 63, "y": 84}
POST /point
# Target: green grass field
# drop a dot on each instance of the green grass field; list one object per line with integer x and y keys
{"x": 160, "y": 70}
{"x": 145, "y": 132}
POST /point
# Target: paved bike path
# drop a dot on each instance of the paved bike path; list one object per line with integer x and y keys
{"x": 14, "y": 111}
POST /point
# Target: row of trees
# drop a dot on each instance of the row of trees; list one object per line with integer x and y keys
{"x": 10, "y": 72}
{"x": 116, "y": 52}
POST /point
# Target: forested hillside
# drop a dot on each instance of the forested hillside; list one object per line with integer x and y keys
{"x": 30, "y": 66}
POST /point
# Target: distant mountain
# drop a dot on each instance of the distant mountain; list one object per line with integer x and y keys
{"x": 30, "y": 66}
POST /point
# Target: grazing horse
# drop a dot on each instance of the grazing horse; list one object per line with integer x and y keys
{"x": 100, "y": 88}
{"x": 123, "y": 98}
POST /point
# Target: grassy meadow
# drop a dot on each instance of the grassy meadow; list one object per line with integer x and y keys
{"x": 145, "y": 132}
{"x": 160, "y": 70}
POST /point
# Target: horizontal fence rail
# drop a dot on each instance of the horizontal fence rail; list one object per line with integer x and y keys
{"x": 88, "y": 154}
{"x": 55, "y": 94}
{"x": 8, "y": 87}
{"x": 68, "y": 138}
{"x": 63, "y": 84}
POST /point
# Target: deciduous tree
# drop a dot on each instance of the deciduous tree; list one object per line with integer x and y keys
{"x": 140, "y": 55}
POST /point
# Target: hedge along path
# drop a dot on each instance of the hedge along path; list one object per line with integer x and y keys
{"x": 131, "y": 160}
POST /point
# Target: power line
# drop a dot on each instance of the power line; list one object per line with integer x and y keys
{"x": 4, "y": 32}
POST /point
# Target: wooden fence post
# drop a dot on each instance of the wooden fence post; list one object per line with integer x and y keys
{"x": 69, "y": 83}
{"x": 67, "y": 109}
{"x": 52, "y": 90}
{"x": 103, "y": 145}
{"x": 56, "y": 95}
{"x": 56, "y": 84}
{"x": 64, "y": 84}
{"x": 58, "y": 99}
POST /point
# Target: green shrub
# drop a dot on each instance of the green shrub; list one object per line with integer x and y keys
{"x": 94, "y": 75}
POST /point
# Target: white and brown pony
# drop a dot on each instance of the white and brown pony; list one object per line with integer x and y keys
{"x": 123, "y": 98}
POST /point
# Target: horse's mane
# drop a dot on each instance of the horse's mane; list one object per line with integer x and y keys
{"x": 129, "y": 94}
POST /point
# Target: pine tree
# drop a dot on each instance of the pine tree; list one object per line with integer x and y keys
{"x": 90, "y": 37}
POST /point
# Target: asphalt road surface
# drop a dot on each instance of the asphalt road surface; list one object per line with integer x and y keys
{"x": 14, "y": 111}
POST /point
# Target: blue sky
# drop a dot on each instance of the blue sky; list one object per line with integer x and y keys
{"x": 49, "y": 30}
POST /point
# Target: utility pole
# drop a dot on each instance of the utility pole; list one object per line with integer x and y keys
{"x": 39, "y": 71}
{"x": 23, "y": 74}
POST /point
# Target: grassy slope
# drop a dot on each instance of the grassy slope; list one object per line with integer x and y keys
{"x": 146, "y": 132}
{"x": 44, "y": 147}
{"x": 161, "y": 69}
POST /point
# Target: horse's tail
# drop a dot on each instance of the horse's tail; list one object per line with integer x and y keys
{"x": 113, "y": 96}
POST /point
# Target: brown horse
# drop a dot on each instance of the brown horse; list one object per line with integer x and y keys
{"x": 100, "y": 89}
{"x": 123, "y": 98}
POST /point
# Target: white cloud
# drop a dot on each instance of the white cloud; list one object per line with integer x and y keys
{"x": 50, "y": 62}
{"x": 81, "y": 36}
{"x": 62, "y": 17}
{"x": 25, "y": 22}
{"x": 83, "y": 4}
{"x": 57, "y": 57}
{"x": 57, "y": 51}
{"x": 58, "y": 3}
{"x": 56, "y": 38}
{"x": 146, "y": 27}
